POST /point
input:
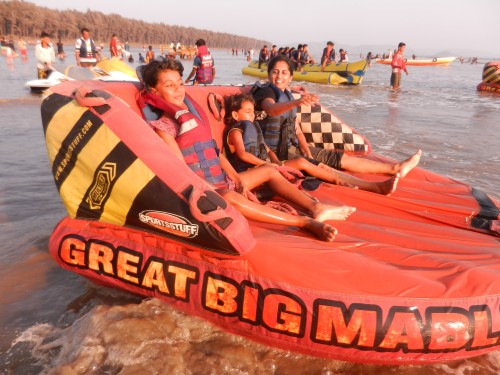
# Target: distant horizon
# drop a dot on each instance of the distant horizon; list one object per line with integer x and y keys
{"x": 428, "y": 27}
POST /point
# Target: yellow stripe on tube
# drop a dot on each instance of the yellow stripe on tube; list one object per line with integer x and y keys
{"x": 124, "y": 192}
{"x": 81, "y": 177}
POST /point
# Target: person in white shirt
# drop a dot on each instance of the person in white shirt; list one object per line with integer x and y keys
{"x": 45, "y": 56}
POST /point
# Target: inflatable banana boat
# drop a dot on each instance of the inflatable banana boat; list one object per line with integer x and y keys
{"x": 491, "y": 78}
{"x": 410, "y": 278}
{"x": 334, "y": 74}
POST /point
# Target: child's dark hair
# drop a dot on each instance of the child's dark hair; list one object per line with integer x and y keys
{"x": 234, "y": 103}
{"x": 151, "y": 71}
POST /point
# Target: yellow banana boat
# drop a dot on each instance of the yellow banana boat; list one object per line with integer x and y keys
{"x": 326, "y": 77}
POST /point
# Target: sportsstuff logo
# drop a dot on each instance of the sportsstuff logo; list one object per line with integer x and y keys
{"x": 170, "y": 223}
{"x": 101, "y": 185}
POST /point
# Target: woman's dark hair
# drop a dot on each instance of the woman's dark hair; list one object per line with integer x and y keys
{"x": 234, "y": 103}
{"x": 151, "y": 71}
{"x": 278, "y": 58}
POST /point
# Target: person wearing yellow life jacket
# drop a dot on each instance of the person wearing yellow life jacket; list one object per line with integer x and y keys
{"x": 203, "y": 65}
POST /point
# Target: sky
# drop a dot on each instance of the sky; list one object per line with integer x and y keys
{"x": 460, "y": 27}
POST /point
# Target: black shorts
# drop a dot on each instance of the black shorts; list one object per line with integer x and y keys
{"x": 320, "y": 155}
{"x": 396, "y": 79}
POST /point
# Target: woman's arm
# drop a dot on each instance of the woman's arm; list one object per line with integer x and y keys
{"x": 273, "y": 109}
{"x": 301, "y": 138}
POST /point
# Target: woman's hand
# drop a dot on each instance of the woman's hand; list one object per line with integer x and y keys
{"x": 308, "y": 99}
{"x": 300, "y": 89}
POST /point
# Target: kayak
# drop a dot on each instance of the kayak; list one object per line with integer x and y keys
{"x": 443, "y": 61}
{"x": 411, "y": 278}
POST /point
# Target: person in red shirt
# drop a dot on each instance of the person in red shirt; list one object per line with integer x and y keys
{"x": 113, "y": 46}
{"x": 398, "y": 63}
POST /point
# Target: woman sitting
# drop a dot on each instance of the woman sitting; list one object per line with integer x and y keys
{"x": 185, "y": 133}
{"x": 283, "y": 134}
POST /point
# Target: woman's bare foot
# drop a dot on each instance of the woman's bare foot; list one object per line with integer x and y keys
{"x": 407, "y": 165}
{"x": 386, "y": 187}
{"x": 325, "y": 232}
{"x": 323, "y": 212}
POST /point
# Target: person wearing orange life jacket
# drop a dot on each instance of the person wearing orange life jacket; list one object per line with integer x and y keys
{"x": 203, "y": 65}
{"x": 183, "y": 126}
{"x": 398, "y": 63}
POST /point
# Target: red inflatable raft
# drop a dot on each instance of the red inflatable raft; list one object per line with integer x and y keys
{"x": 411, "y": 278}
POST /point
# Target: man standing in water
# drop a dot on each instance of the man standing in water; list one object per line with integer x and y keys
{"x": 85, "y": 50}
{"x": 398, "y": 63}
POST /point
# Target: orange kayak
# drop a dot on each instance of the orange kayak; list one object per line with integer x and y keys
{"x": 421, "y": 62}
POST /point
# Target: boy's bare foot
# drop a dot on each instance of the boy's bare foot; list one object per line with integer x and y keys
{"x": 325, "y": 232}
{"x": 323, "y": 212}
{"x": 407, "y": 165}
{"x": 386, "y": 187}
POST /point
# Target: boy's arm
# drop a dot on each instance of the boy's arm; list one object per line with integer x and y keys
{"x": 235, "y": 139}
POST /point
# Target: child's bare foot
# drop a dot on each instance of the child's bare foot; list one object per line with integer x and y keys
{"x": 386, "y": 187}
{"x": 325, "y": 232}
{"x": 323, "y": 212}
{"x": 407, "y": 165}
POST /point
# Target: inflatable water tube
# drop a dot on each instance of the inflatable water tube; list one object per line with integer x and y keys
{"x": 491, "y": 78}
{"x": 334, "y": 74}
{"x": 410, "y": 278}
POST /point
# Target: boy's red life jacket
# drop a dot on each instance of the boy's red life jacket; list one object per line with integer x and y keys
{"x": 194, "y": 139}
{"x": 204, "y": 73}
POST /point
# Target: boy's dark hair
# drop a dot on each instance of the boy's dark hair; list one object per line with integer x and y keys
{"x": 200, "y": 42}
{"x": 83, "y": 29}
{"x": 234, "y": 103}
{"x": 44, "y": 35}
{"x": 401, "y": 45}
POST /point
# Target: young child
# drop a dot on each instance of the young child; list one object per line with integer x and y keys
{"x": 245, "y": 148}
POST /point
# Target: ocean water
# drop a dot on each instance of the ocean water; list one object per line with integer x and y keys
{"x": 56, "y": 322}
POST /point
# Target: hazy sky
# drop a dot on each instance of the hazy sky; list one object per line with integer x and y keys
{"x": 424, "y": 25}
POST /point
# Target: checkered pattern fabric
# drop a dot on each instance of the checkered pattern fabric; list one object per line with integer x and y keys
{"x": 322, "y": 129}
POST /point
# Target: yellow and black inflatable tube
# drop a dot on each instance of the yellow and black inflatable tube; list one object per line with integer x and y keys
{"x": 110, "y": 166}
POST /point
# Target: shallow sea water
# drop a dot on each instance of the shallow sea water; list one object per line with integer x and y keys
{"x": 56, "y": 322}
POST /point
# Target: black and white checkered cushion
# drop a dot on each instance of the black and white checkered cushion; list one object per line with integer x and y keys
{"x": 324, "y": 130}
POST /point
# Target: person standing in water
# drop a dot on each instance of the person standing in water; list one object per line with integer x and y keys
{"x": 45, "y": 56}
{"x": 398, "y": 63}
